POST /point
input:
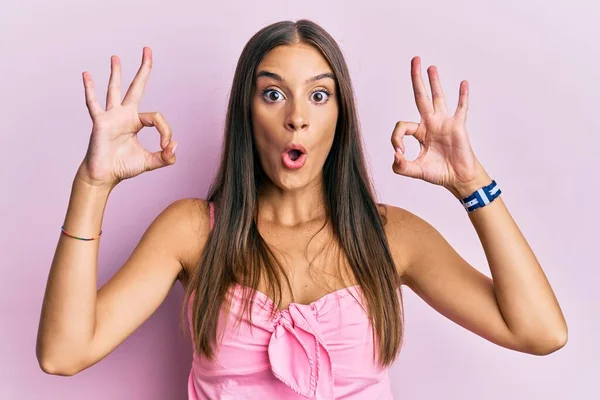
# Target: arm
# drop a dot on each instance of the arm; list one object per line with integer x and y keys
{"x": 80, "y": 325}
{"x": 516, "y": 310}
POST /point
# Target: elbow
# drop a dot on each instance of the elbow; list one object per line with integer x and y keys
{"x": 548, "y": 345}
{"x": 53, "y": 368}
{"x": 61, "y": 364}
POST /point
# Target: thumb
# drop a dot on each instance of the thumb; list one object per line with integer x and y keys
{"x": 404, "y": 167}
{"x": 161, "y": 158}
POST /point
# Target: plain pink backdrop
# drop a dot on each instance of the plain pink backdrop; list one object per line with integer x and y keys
{"x": 533, "y": 123}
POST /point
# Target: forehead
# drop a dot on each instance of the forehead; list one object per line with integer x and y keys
{"x": 295, "y": 62}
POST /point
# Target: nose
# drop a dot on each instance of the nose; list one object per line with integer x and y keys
{"x": 297, "y": 118}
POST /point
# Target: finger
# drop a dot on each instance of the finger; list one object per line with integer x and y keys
{"x": 90, "y": 95}
{"x": 158, "y": 120}
{"x": 401, "y": 129}
{"x": 113, "y": 95}
{"x": 136, "y": 89}
{"x": 404, "y": 167}
{"x": 439, "y": 100}
{"x": 421, "y": 97}
{"x": 161, "y": 158}
{"x": 463, "y": 100}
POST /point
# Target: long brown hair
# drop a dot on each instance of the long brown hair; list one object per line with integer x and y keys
{"x": 235, "y": 252}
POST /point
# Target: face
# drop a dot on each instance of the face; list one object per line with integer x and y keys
{"x": 294, "y": 114}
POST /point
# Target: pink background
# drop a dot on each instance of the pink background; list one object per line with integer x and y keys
{"x": 533, "y": 70}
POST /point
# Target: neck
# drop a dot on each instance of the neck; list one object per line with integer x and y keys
{"x": 292, "y": 207}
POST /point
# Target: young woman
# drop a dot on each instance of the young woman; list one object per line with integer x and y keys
{"x": 292, "y": 271}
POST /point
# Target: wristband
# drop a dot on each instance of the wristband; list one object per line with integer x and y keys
{"x": 481, "y": 197}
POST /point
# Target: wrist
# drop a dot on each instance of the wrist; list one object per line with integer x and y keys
{"x": 86, "y": 208}
{"x": 82, "y": 178}
{"x": 464, "y": 189}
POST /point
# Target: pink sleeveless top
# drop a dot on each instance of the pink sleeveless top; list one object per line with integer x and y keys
{"x": 322, "y": 350}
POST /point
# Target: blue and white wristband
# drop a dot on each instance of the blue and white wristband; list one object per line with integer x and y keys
{"x": 482, "y": 197}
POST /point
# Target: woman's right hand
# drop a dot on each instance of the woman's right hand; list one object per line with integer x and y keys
{"x": 114, "y": 152}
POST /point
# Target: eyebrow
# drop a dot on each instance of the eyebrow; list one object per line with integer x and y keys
{"x": 309, "y": 80}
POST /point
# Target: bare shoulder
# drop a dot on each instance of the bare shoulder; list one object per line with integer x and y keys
{"x": 405, "y": 232}
{"x": 189, "y": 222}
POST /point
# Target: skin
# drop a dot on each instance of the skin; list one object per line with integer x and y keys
{"x": 80, "y": 325}
{"x": 293, "y": 111}
{"x": 289, "y": 106}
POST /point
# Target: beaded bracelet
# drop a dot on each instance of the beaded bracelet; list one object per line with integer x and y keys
{"x": 76, "y": 237}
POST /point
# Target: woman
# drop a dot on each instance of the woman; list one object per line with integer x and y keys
{"x": 292, "y": 271}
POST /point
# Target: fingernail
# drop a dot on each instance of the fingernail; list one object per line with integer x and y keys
{"x": 167, "y": 143}
{"x": 399, "y": 150}
{"x": 174, "y": 147}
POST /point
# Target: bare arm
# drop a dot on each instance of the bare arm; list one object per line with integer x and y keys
{"x": 516, "y": 310}
{"x": 67, "y": 320}
{"x": 81, "y": 325}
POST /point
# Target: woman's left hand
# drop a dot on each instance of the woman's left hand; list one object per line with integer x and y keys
{"x": 446, "y": 157}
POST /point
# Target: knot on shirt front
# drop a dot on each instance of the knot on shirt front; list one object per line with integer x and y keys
{"x": 298, "y": 355}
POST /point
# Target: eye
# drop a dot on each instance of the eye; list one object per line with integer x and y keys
{"x": 321, "y": 96}
{"x": 272, "y": 95}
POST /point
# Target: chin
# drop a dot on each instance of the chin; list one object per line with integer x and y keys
{"x": 290, "y": 182}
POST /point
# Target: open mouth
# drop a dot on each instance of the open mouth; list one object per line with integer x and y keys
{"x": 294, "y": 156}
